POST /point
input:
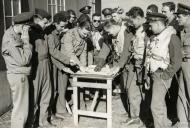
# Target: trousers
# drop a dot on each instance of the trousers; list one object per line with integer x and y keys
{"x": 20, "y": 97}
{"x": 42, "y": 90}
{"x": 184, "y": 96}
{"x": 158, "y": 104}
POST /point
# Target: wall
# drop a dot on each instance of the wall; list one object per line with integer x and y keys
{"x": 127, "y": 4}
{"x": 5, "y": 95}
{"x": 76, "y": 5}
{"x": 40, "y": 4}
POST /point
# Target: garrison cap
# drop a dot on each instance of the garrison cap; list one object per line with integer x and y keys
{"x": 154, "y": 16}
{"x": 42, "y": 13}
{"x": 85, "y": 9}
{"x": 23, "y": 17}
{"x": 107, "y": 11}
{"x": 183, "y": 9}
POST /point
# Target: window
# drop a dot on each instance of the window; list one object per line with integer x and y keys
{"x": 55, "y": 6}
{"x": 10, "y": 9}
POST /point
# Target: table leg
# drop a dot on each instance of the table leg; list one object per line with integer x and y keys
{"x": 109, "y": 104}
{"x": 94, "y": 102}
{"x": 75, "y": 105}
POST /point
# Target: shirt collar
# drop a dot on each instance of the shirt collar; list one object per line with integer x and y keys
{"x": 17, "y": 36}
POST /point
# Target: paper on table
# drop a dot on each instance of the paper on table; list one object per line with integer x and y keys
{"x": 105, "y": 71}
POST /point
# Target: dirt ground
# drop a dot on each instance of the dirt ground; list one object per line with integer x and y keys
{"x": 119, "y": 116}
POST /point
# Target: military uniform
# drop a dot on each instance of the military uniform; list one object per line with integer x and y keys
{"x": 41, "y": 67}
{"x": 184, "y": 86}
{"x": 85, "y": 9}
{"x": 17, "y": 53}
{"x": 107, "y": 12}
{"x": 59, "y": 61}
{"x": 163, "y": 61}
{"x": 75, "y": 47}
{"x": 133, "y": 86}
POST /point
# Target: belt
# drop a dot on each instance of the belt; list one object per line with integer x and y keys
{"x": 43, "y": 57}
{"x": 186, "y": 59}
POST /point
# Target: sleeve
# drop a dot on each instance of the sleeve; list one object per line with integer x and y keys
{"x": 175, "y": 58}
{"x": 125, "y": 54}
{"x": 67, "y": 47}
{"x": 55, "y": 53}
{"x": 104, "y": 52}
{"x": 57, "y": 63}
{"x": 83, "y": 56}
{"x": 22, "y": 53}
{"x": 90, "y": 57}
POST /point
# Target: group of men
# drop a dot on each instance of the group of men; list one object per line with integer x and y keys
{"x": 149, "y": 51}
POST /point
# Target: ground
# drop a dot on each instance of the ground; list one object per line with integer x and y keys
{"x": 119, "y": 116}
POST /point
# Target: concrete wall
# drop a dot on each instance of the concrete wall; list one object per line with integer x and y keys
{"x": 127, "y": 4}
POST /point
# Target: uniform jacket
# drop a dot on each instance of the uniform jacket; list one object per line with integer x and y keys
{"x": 158, "y": 50}
{"x": 74, "y": 46}
{"x": 16, "y": 52}
{"x": 58, "y": 59}
{"x": 175, "y": 58}
{"x": 40, "y": 48}
{"x": 185, "y": 37}
{"x": 122, "y": 60}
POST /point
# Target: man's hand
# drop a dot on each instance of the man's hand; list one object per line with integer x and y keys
{"x": 68, "y": 70}
{"x": 24, "y": 33}
{"x": 115, "y": 69}
{"x": 82, "y": 68}
{"x": 100, "y": 64}
{"x": 98, "y": 68}
{"x": 72, "y": 63}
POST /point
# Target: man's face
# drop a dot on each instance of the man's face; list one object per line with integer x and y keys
{"x": 137, "y": 21}
{"x": 112, "y": 30}
{"x": 155, "y": 26}
{"x": 61, "y": 26}
{"x": 166, "y": 11}
{"x": 183, "y": 19}
{"x": 108, "y": 17}
{"x": 96, "y": 21}
{"x": 72, "y": 18}
{"x": 42, "y": 22}
{"x": 84, "y": 32}
{"x": 116, "y": 17}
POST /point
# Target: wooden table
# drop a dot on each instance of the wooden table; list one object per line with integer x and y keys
{"x": 96, "y": 82}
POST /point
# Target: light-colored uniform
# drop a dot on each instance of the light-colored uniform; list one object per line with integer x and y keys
{"x": 163, "y": 61}
{"x": 134, "y": 91}
{"x": 74, "y": 46}
{"x": 41, "y": 73}
{"x": 17, "y": 53}
{"x": 59, "y": 61}
{"x": 184, "y": 89}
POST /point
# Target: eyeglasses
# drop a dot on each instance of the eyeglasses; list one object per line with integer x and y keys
{"x": 96, "y": 21}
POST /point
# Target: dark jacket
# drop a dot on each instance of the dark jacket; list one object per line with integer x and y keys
{"x": 175, "y": 58}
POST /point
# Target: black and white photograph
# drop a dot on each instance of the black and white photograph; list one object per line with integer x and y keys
{"x": 94, "y": 63}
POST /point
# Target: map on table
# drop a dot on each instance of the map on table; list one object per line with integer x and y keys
{"x": 104, "y": 71}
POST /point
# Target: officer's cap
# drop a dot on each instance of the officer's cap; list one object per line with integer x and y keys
{"x": 155, "y": 17}
{"x": 23, "y": 17}
{"x": 107, "y": 11}
{"x": 183, "y": 9}
{"x": 85, "y": 10}
{"x": 42, "y": 13}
